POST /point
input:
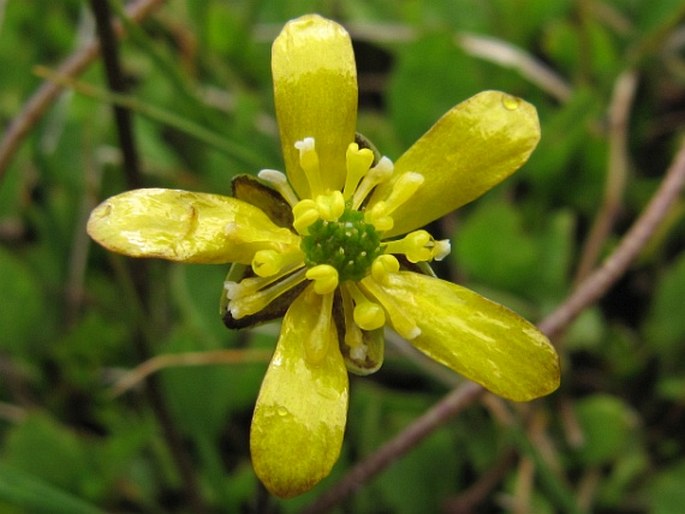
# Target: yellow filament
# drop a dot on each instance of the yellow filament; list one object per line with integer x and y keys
{"x": 323, "y": 334}
{"x": 245, "y": 303}
{"x": 379, "y": 173}
{"x": 403, "y": 189}
{"x": 353, "y": 334}
{"x": 403, "y": 324}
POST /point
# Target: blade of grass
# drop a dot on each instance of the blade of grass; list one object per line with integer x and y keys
{"x": 216, "y": 141}
{"x": 23, "y": 490}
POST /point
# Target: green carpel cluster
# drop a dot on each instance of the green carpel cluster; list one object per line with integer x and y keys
{"x": 349, "y": 245}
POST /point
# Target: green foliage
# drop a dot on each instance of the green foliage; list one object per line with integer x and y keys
{"x": 610, "y": 440}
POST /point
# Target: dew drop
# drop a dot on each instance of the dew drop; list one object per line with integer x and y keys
{"x": 510, "y": 103}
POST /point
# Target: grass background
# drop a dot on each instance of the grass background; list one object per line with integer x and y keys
{"x": 609, "y": 87}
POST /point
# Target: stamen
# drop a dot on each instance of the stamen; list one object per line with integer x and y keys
{"x": 325, "y": 278}
{"x": 379, "y": 173}
{"x": 367, "y": 314}
{"x": 280, "y": 183}
{"x": 383, "y": 266}
{"x": 353, "y": 334}
{"x": 402, "y": 190}
{"x": 309, "y": 162}
{"x": 246, "y": 303}
{"x": 358, "y": 164}
{"x": 418, "y": 246}
{"x": 441, "y": 249}
{"x": 321, "y": 336}
{"x": 403, "y": 324}
{"x": 270, "y": 262}
{"x": 305, "y": 212}
{"x": 331, "y": 206}
{"x": 378, "y": 217}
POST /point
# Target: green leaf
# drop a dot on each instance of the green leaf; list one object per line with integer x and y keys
{"x": 607, "y": 425}
{"x": 664, "y": 327}
{"x": 666, "y": 494}
{"x": 23, "y": 305}
{"x": 431, "y": 76}
{"x": 492, "y": 248}
{"x": 24, "y": 490}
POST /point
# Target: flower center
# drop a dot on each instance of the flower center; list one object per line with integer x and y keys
{"x": 349, "y": 244}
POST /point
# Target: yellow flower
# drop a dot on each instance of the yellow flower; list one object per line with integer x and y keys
{"x": 323, "y": 246}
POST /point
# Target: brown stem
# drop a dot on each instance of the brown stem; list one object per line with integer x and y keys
{"x": 138, "y": 269}
{"x": 454, "y": 402}
{"x": 598, "y": 282}
{"x": 617, "y": 172}
{"x": 117, "y": 83}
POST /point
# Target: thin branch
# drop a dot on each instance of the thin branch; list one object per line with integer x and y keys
{"x": 42, "y": 99}
{"x": 468, "y": 500}
{"x": 117, "y": 83}
{"x": 509, "y": 56}
{"x": 598, "y": 283}
{"x": 138, "y": 269}
{"x": 454, "y": 402}
{"x": 160, "y": 362}
{"x": 617, "y": 172}
{"x": 588, "y": 292}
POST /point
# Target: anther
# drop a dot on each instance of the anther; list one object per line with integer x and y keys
{"x": 367, "y": 314}
{"x": 309, "y": 162}
{"x": 270, "y": 262}
{"x": 280, "y": 183}
{"x": 305, "y": 212}
{"x": 358, "y": 163}
{"x": 419, "y": 246}
{"x": 379, "y": 173}
{"x": 383, "y": 266}
{"x": 325, "y": 278}
{"x": 331, "y": 206}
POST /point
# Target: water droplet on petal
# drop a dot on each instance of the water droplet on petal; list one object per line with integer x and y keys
{"x": 511, "y": 103}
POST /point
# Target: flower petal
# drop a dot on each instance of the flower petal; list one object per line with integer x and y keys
{"x": 315, "y": 91}
{"x": 472, "y": 148}
{"x": 479, "y": 339}
{"x": 299, "y": 419}
{"x": 184, "y": 226}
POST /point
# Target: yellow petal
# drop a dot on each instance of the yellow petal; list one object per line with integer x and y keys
{"x": 477, "y": 338}
{"x": 472, "y": 148}
{"x": 299, "y": 419}
{"x": 184, "y": 226}
{"x": 315, "y": 91}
